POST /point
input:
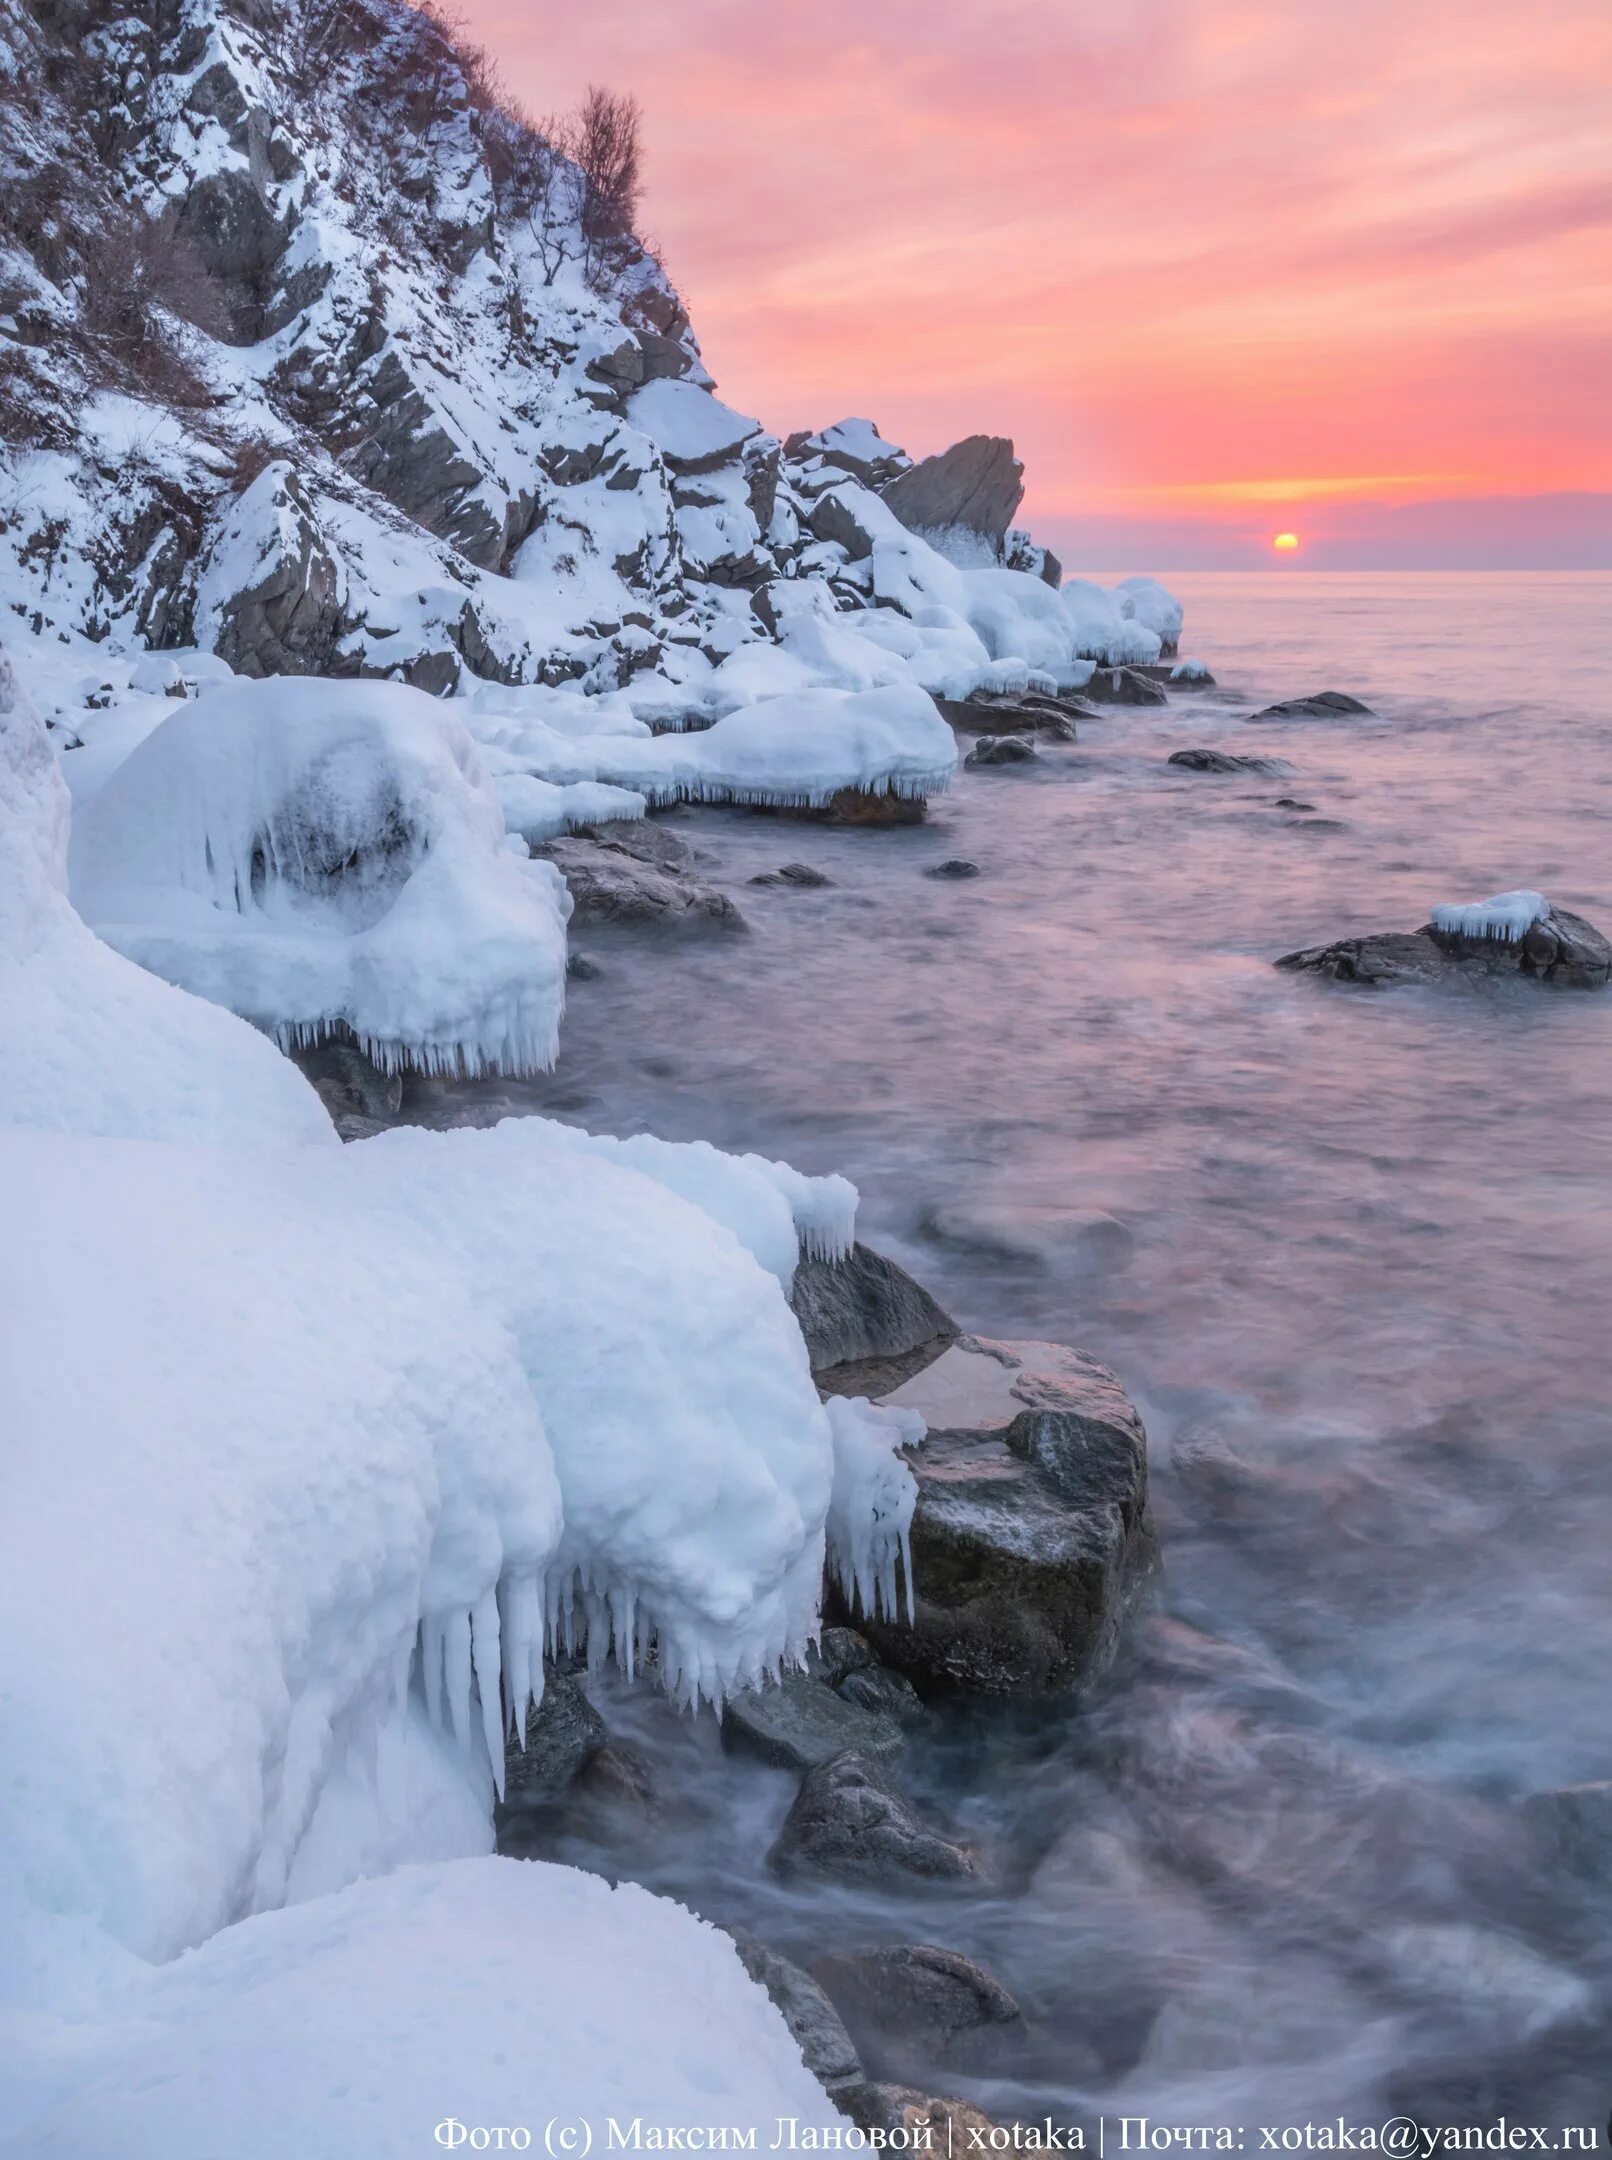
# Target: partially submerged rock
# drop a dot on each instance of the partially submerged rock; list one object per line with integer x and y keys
{"x": 915, "y": 2008}
{"x": 614, "y": 886}
{"x": 1324, "y": 705}
{"x": 799, "y": 874}
{"x": 851, "y": 1823}
{"x": 1125, "y": 686}
{"x": 868, "y": 1325}
{"x": 1034, "y": 711}
{"x": 816, "y": 2027}
{"x": 955, "y": 866}
{"x": 1001, "y": 750}
{"x": 798, "y": 1722}
{"x": 1560, "y": 948}
{"x": 1031, "y": 1539}
{"x": 1203, "y": 760}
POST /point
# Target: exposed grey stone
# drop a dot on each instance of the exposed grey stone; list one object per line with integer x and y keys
{"x": 1324, "y": 705}
{"x": 562, "y": 1731}
{"x": 1031, "y": 1540}
{"x": 927, "y": 2122}
{"x": 888, "y": 1694}
{"x": 977, "y": 484}
{"x": 618, "y": 1782}
{"x": 1202, "y": 760}
{"x": 839, "y": 1652}
{"x": 1001, "y": 750}
{"x": 291, "y": 620}
{"x": 832, "y": 517}
{"x": 792, "y": 873}
{"x": 798, "y": 1722}
{"x": 814, "y": 2024}
{"x": 915, "y": 2009}
{"x": 850, "y": 1822}
{"x": 955, "y": 866}
{"x": 347, "y": 1082}
{"x": 868, "y": 1325}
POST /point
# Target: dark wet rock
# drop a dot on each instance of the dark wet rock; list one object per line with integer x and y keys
{"x": 815, "y": 2026}
{"x": 884, "y": 1694}
{"x": 925, "y": 2122}
{"x": 1221, "y": 761}
{"x": 868, "y": 1325}
{"x": 1021, "y": 711}
{"x": 617, "y": 1784}
{"x": 649, "y": 840}
{"x": 1573, "y": 1825}
{"x": 562, "y": 1731}
{"x": 976, "y": 485}
{"x": 1031, "y": 1540}
{"x": 291, "y": 618}
{"x": 1562, "y": 949}
{"x": 955, "y": 866}
{"x": 1325, "y": 705}
{"x": 580, "y": 968}
{"x": 348, "y": 1082}
{"x": 1291, "y": 802}
{"x": 915, "y": 2009}
{"x": 797, "y": 1722}
{"x": 839, "y": 1652}
{"x": 793, "y": 873}
{"x": 849, "y": 1822}
{"x": 612, "y": 887}
{"x": 1001, "y": 750}
{"x": 1125, "y": 686}
{"x": 857, "y": 806}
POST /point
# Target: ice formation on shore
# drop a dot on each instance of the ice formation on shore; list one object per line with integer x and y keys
{"x": 1508, "y": 917}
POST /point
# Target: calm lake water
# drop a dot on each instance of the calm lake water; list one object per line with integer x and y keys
{"x": 1352, "y": 1254}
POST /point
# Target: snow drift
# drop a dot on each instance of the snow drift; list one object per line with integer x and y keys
{"x": 331, "y": 856}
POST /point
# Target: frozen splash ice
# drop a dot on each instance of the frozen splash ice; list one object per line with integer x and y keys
{"x": 1508, "y": 917}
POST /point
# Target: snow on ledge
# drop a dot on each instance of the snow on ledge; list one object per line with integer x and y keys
{"x": 1508, "y": 917}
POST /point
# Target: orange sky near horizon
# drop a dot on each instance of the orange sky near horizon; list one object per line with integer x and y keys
{"x": 1221, "y": 268}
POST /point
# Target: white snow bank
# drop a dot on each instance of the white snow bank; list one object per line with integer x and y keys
{"x": 1509, "y": 916}
{"x": 489, "y": 1993}
{"x": 314, "y": 854}
{"x": 798, "y": 750}
{"x": 1104, "y": 630}
{"x": 538, "y": 810}
{"x": 89, "y": 1043}
{"x": 687, "y": 424}
{"x": 1145, "y": 599}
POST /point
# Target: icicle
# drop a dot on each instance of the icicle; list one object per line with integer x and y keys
{"x": 517, "y": 1620}
{"x": 1508, "y": 917}
{"x": 457, "y": 1671}
{"x": 484, "y": 1650}
{"x": 431, "y": 1652}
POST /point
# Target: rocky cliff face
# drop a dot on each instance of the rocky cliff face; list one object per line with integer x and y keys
{"x": 313, "y": 355}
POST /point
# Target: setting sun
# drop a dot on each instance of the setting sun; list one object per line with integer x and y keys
{"x": 1285, "y": 543}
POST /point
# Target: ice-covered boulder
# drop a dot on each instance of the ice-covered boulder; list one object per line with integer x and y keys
{"x": 319, "y": 857}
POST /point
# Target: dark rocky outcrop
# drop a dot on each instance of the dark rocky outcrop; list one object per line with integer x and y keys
{"x": 1001, "y": 750}
{"x": 915, "y": 2009}
{"x": 1124, "y": 686}
{"x": 562, "y": 1732}
{"x": 801, "y": 875}
{"x": 977, "y": 485}
{"x": 1562, "y": 949}
{"x": 868, "y": 1325}
{"x": 1221, "y": 761}
{"x": 1021, "y": 711}
{"x": 290, "y": 617}
{"x": 850, "y": 1822}
{"x": 955, "y": 866}
{"x": 815, "y": 2025}
{"x": 1031, "y": 1540}
{"x": 1324, "y": 705}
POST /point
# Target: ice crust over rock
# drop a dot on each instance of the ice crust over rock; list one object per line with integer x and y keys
{"x": 1508, "y": 916}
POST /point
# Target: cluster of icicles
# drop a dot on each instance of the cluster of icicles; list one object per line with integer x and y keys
{"x": 482, "y": 1670}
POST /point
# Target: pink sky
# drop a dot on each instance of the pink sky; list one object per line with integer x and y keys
{"x": 1219, "y": 267}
